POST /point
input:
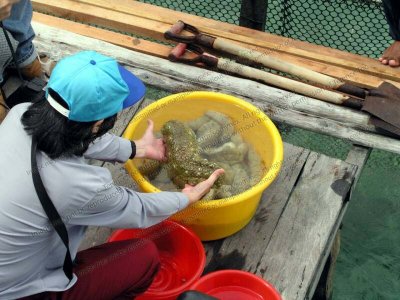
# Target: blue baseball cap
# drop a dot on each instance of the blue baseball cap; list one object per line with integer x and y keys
{"x": 94, "y": 87}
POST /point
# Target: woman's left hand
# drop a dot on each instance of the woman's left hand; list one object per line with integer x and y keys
{"x": 148, "y": 146}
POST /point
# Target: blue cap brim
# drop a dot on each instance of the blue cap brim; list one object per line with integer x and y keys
{"x": 137, "y": 89}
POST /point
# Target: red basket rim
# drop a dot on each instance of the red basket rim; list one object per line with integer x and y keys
{"x": 199, "y": 246}
{"x": 237, "y": 272}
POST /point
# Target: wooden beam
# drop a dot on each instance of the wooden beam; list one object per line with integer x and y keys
{"x": 357, "y": 156}
{"x": 279, "y": 105}
{"x": 251, "y": 37}
{"x": 287, "y": 116}
{"x": 115, "y": 38}
{"x": 160, "y": 50}
{"x": 191, "y": 74}
{"x": 90, "y": 14}
{"x": 143, "y": 21}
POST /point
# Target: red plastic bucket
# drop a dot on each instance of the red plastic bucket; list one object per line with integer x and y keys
{"x": 235, "y": 285}
{"x": 182, "y": 258}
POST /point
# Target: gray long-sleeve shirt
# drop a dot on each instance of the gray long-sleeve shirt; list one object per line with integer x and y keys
{"x": 31, "y": 252}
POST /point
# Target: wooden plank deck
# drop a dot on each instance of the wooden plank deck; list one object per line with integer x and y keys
{"x": 288, "y": 240}
{"x": 290, "y": 237}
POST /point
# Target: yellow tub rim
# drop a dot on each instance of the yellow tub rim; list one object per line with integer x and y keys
{"x": 276, "y": 148}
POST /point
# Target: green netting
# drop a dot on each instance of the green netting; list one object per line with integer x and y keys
{"x": 355, "y": 26}
{"x": 352, "y": 25}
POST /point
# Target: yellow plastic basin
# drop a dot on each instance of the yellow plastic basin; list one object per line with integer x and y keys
{"x": 215, "y": 219}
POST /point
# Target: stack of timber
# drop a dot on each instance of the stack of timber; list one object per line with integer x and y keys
{"x": 148, "y": 61}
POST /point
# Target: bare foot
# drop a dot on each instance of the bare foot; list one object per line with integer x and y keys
{"x": 391, "y": 56}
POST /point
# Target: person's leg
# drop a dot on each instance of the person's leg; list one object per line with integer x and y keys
{"x": 391, "y": 56}
{"x": 118, "y": 270}
{"x": 19, "y": 25}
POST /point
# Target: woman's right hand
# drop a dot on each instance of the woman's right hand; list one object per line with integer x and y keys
{"x": 195, "y": 193}
{"x": 5, "y": 8}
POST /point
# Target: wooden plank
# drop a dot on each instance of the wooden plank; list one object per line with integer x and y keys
{"x": 287, "y": 116}
{"x": 276, "y": 43}
{"x": 246, "y": 35}
{"x": 71, "y": 43}
{"x": 137, "y": 24}
{"x": 301, "y": 236}
{"x": 278, "y": 103}
{"x": 357, "y": 156}
{"x": 103, "y": 17}
{"x": 244, "y": 250}
{"x": 104, "y": 35}
{"x": 159, "y": 50}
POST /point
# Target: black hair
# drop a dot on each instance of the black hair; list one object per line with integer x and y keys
{"x": 55, "y": 134}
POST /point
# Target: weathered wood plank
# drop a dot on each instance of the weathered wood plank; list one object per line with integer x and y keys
{"x": 103, "y": 17}
{"x": 287, "y": 116}
{"x": 159, "y": 50}
{"x": 244, "y": 249}
{"x": 112, "y": 37}
{"x": 258, "y": 39}
{"x": 357, "y": 156}
{"x": 54, "y": 42}
{"x": 48, "y": 37}
{"x": 152, "y": 21}
{"x": 300, "y": 239}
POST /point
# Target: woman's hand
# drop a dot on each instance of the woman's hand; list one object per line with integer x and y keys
{"x": 149, "y": 146}
{"x": 5, "y": 8}
{"x": 195, "y": 193}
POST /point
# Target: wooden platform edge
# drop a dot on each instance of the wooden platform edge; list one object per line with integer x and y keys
{"x": 357, "y": 156}
{"x": 290, "y": 263}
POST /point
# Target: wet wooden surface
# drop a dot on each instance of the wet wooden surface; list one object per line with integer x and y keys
{"x": 288, "y": 240}
{"x": 290, "y": 237}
